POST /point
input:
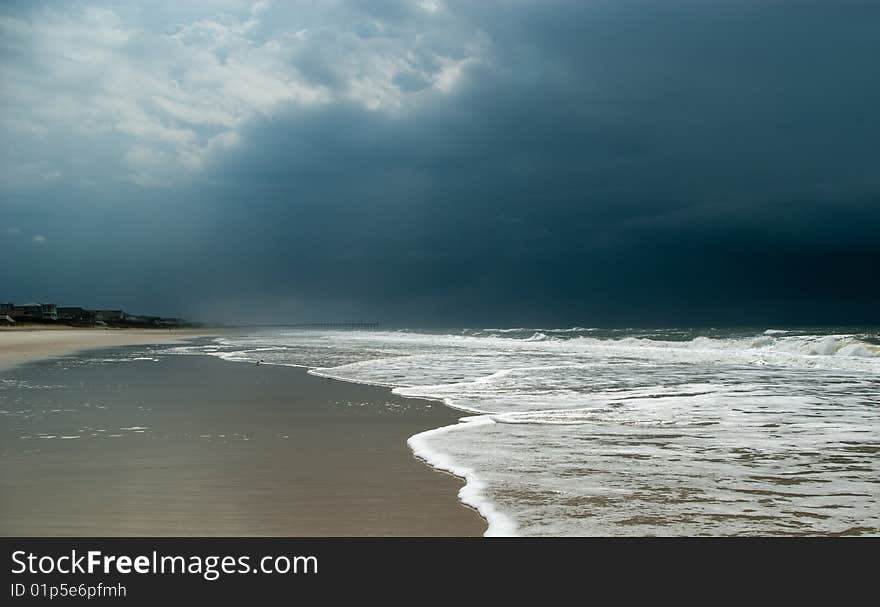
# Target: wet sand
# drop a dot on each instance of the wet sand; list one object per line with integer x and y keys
{"x": 24, "y": 344}
{"x": 193, "y": 445}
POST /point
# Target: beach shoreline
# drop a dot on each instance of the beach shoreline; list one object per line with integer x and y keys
{"x": 194, "y": 445}
{"x": 19, "y": 345}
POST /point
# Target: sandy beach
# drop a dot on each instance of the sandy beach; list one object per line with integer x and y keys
{"x": 24, "y": 344}
{"x": 116, "y": 442}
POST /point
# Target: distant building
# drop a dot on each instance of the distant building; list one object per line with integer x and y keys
{"x": 75, "y": 314}
{"x": 43, "y": 312}
{"x": 109, "y": 315}
{"x": 68, "y": 313}
{"x": 30, "y": 311}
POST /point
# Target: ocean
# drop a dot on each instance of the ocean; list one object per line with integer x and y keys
{"x": 586, "y": 431}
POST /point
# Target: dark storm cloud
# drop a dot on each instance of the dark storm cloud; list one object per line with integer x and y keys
{"x": 579, "y": 163}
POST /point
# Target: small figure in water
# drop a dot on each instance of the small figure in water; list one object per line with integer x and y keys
{"x": 259, "y": 362}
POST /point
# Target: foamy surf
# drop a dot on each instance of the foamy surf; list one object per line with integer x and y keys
{"x": 472, "y": 494}
{"x": 630, "y": 432}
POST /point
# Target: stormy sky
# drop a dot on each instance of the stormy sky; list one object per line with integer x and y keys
{"x": 436, "y": 162}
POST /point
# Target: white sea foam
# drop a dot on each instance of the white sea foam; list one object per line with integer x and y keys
{"x": 538, "y": 337}
{"x": 472, "y": 494}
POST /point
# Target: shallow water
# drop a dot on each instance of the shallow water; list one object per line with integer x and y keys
{"x": 133, "y": 441}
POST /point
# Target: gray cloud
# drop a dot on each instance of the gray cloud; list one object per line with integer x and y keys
{"x": 564, "y": 162}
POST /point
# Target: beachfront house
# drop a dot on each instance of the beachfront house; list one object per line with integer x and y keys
{"x": 109, "y": 315}
{"x": 69, "y": 313}
{"x": 30, "y": 311}
{"x": 75, "y": 314}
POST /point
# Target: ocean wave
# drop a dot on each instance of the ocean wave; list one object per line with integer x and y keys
{"x": 538, "y": 337}
{"x": 472, "y": 494}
